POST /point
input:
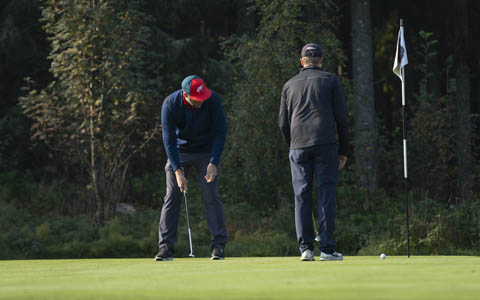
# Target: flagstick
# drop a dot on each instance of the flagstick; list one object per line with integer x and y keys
{"x": 405, "y": 155}
{"x": 405, "y": 161}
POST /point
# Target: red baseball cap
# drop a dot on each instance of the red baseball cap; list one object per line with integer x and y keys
{"x": 196, "y": 88}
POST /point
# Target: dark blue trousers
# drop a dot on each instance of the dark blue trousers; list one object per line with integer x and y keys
{"x": 167, "y": 229}
{"x": 322, "y": 162}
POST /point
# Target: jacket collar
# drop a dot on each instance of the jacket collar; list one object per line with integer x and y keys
{"x": 311, "y": 67}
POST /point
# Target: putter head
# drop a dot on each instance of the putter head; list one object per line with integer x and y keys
{"x": 191, "y": 255}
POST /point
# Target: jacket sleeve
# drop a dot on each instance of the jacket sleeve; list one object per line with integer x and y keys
{"x": 283, "y": 119}
{"x": 169, "y": 135}
{"x": 341, "y": 117}
{"x": 220, "y": 131}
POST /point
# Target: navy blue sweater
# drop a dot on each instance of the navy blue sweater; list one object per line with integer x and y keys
{"x": 186, "y": 130}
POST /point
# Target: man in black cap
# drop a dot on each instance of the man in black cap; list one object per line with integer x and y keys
{"x": 193, "y": 132}
{"x": 312, "y": 112}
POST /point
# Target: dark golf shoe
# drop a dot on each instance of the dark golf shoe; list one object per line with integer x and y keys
{"x": 165, "y": 254}
{"x": 218, "y": 254}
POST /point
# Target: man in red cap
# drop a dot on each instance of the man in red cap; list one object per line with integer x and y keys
{"x": 193, "y": 132}
{"x": 312, "y": 112}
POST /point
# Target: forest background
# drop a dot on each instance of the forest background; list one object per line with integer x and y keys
{"x": 82, "y": 160}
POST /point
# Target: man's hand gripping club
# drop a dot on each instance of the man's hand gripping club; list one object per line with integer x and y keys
{"x": 181, "y": 180}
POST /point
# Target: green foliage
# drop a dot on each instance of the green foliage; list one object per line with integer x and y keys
{"x": 95, "y": 110}
{"x": 25, "y": 191}
{"x": 105, "y": 88}
{"x": 148, "y": 189}
{"x": 432, "y": 143}
{"x": 435, "y": 229}
{"x": 256, "y": 155}
{"x": 16, "y": 151}
{"x": 444, "y": 228}
{"x": 27, "y": 236}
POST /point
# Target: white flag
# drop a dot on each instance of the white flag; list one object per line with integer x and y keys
{"x": 401, "y": 56}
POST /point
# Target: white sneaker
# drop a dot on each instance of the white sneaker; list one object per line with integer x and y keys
{"x": 334, "y": 256}
{"x": 307, "y": 255}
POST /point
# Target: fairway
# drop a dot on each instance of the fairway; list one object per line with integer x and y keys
{"x": 362, "y": 277}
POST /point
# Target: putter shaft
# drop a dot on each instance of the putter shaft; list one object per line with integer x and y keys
{"x": 188, "y": 225}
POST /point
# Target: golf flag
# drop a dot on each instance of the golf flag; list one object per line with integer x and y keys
{"x": 401, "y": 56}
{"x": 401, "y": 61}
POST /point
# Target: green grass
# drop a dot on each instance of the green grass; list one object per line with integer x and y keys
{"x": 363, "y": 277}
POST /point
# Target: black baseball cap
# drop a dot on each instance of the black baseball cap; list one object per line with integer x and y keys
{"x": 311, "y": 49}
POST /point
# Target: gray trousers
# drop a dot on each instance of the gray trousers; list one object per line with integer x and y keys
{"x": 167, "y": 229}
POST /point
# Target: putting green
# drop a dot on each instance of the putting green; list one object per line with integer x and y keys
{"x": 362, "y": 277}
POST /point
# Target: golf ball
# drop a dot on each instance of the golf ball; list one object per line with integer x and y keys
{"x": 383, "y": 256}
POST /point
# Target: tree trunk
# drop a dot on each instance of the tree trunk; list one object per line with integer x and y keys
{"x": 464, "y": 126}
{"x": 94, "y": 173}
{"x": 100, "y": 212}
{"x": 366, "y": 134}
{"x": 115, "y": 185}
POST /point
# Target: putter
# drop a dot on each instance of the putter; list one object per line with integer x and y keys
{"x": 188, "y": 225}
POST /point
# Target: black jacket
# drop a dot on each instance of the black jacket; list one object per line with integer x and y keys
{"x": 313, "y": 110}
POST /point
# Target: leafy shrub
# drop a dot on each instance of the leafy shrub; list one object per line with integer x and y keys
{"x": 435, "y": 228}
